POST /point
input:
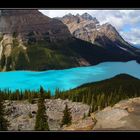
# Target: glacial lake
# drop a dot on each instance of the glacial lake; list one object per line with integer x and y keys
{"x": 67, "y": 78}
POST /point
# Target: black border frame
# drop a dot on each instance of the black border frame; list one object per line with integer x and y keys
{"x": 71, "y": 135}
{"x": 70, "y": 4}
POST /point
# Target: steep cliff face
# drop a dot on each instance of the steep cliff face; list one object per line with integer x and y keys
{"x": 10, "y": 49}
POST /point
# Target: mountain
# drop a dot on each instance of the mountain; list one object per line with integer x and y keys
{"x": 24, "y": 22}
{"x": 30, "y": 40}
{"x": 88, "y": 28}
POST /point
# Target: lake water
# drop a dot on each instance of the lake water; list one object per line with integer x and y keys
{"x": 68, "y": 78}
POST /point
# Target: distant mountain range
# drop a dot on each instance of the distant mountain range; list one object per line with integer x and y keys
{"x": 30, "y": 40}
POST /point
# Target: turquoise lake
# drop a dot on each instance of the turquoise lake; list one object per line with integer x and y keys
{"x": 67, "y": 78}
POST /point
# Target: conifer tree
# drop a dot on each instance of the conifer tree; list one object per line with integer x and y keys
{"x": 67, "y": 118}
{"x": 83, "y": 99}
{"x": 89, "y": 111}
{"x": 30, "y": 98}
{"x": 92, "y": 104}
{"x": 72, "y": 98}
{"x": 41, "y": 117}
{"x": 49, "y": 94}
{"x": 25, "y": 94}
{"x": 3, "y": 122}
{"x": 57, "y": 94}
{"x": 84, "y": 116}
{"x": 17, "y": 94}
{"x": 89, "y": 96}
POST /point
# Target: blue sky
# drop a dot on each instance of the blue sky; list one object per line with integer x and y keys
{"x": 127, "y": 28}
{"x": 127, "y": 22}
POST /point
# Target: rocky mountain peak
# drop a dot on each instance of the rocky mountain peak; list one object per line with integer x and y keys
{"x": 88, "y": 28}
{"x": 79, "y": 18}
{"x": 108, "y": 30}
{"x": 77, "y": 22}
{"x": 108, "y": 26}
{"x": 86, "y": 16}
{"x": 69, "y": 15}
{"x": 77, "y": 15}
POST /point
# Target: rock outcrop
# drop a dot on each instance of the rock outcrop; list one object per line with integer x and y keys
{"x": 81, "y": 125}
{"x": 122, "y": 116}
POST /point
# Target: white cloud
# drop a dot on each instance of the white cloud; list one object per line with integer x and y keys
{"x": 132, "y": 36}
{"x": 118, "y": 18}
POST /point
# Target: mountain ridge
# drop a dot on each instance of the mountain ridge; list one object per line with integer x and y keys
{"x": 92, "y": 26}
{"x": 30, "y": 40}
{"x": 104, "y": 35}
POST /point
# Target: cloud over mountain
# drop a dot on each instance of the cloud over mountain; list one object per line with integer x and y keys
{"x": 127, "y": 22}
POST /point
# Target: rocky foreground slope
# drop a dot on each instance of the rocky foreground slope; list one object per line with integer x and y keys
{"x": 21, "y": 114}
{"x": 122, "y": 116}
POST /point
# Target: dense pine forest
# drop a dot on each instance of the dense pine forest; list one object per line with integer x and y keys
{"x": 105, "y": 93}
{"x": 98, "y": 94}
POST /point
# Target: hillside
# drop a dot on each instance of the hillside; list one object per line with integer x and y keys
{"x": 124, "y": 80}
{"x": 30, "y": 40}
{"x": 123, "y": 116}
{"x": 105, "y": 93}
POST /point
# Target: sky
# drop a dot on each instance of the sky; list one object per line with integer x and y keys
{"x": 127, "y": 22}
